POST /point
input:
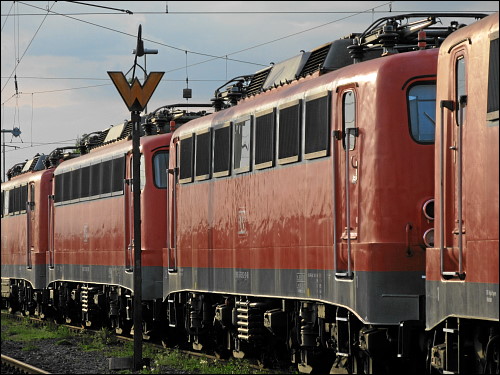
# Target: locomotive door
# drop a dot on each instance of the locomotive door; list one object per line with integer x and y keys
{"x": 349, "y": 174}
{"x": 453, "y": 228}
{"x": 128, "y": 215}
{"x": 30, "y": 223}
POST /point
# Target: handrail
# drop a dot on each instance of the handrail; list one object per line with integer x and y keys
{"x": 171, "y": 218}
{"x": 28, "y": 235}
{"x": 450, "y": 105}
{"x": 348, "y": 274}
{"x": 335, "y": 136}
{"x": 51, "y": 229}
{"x": 463, "y": 103}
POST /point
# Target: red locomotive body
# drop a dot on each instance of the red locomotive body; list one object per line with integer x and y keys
{"x": 462, "y": 267}
{"x": 309, "y": 215}
{"x": 92, "y": 216}
{"x": 25, "y": 230}
{"x": 297, "y": 221}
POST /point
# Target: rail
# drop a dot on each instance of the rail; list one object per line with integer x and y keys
{"x": 24, "y": 368}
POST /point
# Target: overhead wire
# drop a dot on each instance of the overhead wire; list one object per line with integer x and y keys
{"x": 144, "y": 39}
{"x": 29, "y": 44}
{"x": 8, "y": 14}
{"x": 225, "y": 57}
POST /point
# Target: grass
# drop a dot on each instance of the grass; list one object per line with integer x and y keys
{"x": 106, "y": 342}
{"x": 25, "y": 331}
{"x": 177, "y": 359}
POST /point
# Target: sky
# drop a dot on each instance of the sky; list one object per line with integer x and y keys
{"x": 56, "y": 55}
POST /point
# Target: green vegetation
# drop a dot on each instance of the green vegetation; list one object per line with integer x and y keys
{"x": 177, "y": 359}
{"x": 25, "y": 331}
{"x": 105, "y": 341}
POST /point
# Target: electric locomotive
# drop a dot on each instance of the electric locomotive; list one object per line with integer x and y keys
{"x": 24, "y": 205}
{"x": 300, "y": 217}
{"x": 297, "y": 221}
{"x": 67, "y": 225}
{"x": 462, "y": 312}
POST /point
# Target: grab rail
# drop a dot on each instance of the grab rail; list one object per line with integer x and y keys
{"x": 450, "y": 105}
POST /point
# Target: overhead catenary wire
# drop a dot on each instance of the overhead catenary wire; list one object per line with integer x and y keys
{"x": 225, "y": 57}
{"x": 144, "y": 39}
{"x": 29, "y": 44}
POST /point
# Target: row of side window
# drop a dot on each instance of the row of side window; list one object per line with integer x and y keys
{"x": 94, "y": 181}
{"x": 14, "y": 200}
{"x": 295, "y": 131}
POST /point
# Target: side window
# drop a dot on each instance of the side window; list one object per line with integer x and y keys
{"x": 492, "y": 111}
{"x": 289, "y": 133}
{"x": 12, "y": 194}
{"x": 24, "y": 198}
{"x": 160, "y": 166}
{"x": 58, "y": 188}
{"x": 186, "y": 159}
{"x": 66, "y": 193}
{"x": 106, "y": 173}
{"x": 203, "y": 162}
{"x": 222, "y": 150}
{"x": 95, "y": 175}
{"x": 349, "y": 119}
{"x": 264, "y": 139}
{"x": 460, "y": 85}
{"x": 85, "y": 182}
{"x": 76, "y": 183}
{"x": 317, "y": 119}
{"x": 421, "y": 99}
{"x": 118, "y": 174}
{"x": 31, "y": 196}
{"x": 242, "y": 145}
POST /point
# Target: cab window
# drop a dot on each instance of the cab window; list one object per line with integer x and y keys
{"x": 422, "y": 112}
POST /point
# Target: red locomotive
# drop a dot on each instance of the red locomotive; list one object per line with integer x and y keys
{"x": 25, "y": 232}
{"x": 462, "y": 266}
{"x": 69, "y": 251}
{"x": 297, "y": 221}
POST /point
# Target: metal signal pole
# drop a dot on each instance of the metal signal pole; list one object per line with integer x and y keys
{"x": 136, "y": 97}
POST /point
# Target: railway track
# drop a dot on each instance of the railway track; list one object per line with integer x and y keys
{"x": 13, "y": 366}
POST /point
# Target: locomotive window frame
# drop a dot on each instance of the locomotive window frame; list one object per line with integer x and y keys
{"x": 185, "y": 158}
{"x": 160, "y": 176}
{"x": 90, "y": 180}
{"x": 265, "y": 138}
{"x": 5, "y": 203}
{"x": 352, "y": 137}
{"x": 242, "y": 141}
{"x": 317, "y": 125}
{"x": 288, "y": 132}
{"x": 492, "y": 106}
{"x": 117, "y": 179}
{"x": 461, "y": 88}
{"x": 414, "y": 111}
{"x": 202, "y": 160}
{"x": 222, "y": 149}
{"x": 106, "y": 179}
{"x": 75, "y": 176}
{"x": 85, "y": 182}
{"x": 95, "y": 175}
{"x": 15, "y": 200}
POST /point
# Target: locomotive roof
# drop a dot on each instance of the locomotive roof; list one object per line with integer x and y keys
{"x": 386, "y": 36}
{"x": 301, "y": 89}
{"x": 488, "y": 25}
